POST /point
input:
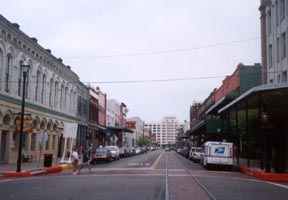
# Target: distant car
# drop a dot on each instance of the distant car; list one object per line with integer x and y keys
{"x": 101, "y": 154}
{"x": 196, "y": 153}
{"x": 115, "y": 152}
{"x": 167, "y": 149}
{"x": 123, "y": 152}
{"x": 138, "y": 150}
{"x": 131, "y": 151}
{"x": 185, "y": 152}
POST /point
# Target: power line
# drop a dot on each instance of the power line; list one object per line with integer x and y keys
{"x": 153, "y": 80}
{"x": 164, "y": 51}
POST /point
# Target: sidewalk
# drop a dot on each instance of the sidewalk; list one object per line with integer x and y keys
{"x": 255, "y": 171}
{"x": 32, "y": 168}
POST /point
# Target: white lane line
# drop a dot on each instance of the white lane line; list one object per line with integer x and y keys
{"x": 167, "y": 182}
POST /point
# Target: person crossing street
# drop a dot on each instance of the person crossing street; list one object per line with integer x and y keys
{"x": 86, "y": 160}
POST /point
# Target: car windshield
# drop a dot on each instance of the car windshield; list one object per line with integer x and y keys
{"x": 101, "y": 150}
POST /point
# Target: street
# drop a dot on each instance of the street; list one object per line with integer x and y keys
{"x": 156, "y": 175}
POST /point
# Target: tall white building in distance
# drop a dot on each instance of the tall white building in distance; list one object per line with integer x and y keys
{"x": 165, "y": 131}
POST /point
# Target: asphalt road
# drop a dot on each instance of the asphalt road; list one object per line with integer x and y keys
{"x": 156, "y": 175}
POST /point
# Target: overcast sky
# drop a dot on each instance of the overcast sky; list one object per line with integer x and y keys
{"x": 192, "y": 43}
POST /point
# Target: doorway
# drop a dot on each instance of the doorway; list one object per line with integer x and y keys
{"x": 3, "y": 147}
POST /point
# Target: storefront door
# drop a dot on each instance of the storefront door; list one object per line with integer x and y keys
{"x": 3, "y": 147}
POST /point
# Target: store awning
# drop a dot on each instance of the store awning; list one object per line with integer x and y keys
{"x": 258, "y": 89}
{"x": 197, "y": 126}
{"x": 119, "y": 128}
{"x": 222, "y": 102}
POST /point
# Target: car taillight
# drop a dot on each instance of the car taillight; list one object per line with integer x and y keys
{"x": 231, "y": 153}
{"x": 209, "y": 151}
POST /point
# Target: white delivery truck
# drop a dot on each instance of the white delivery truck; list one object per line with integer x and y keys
{"x": 218, "y": 154}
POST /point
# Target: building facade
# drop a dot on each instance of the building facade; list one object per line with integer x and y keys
{"x": 138, "y": 131}
{"x": 113, "y": 113}
{"x": 82, "y": 114}
{"x": 50, "y": 96}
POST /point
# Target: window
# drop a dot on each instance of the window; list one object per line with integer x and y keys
{"x": 47, "y": 143}
{"x": 51, "y": 92}
{"x": 53, "y": 142}
{"x": 282, "y": 8}
{"x": 284, "y": 77}
{"x": 278, "y": 49}
{"x": 37, "y": 85}
{"x": 20, "y": 78}
{"x": 56, "y": 95}
{"x": 270, "y": 56}
{"x": 27, "y": 84}
{"x": 33, "y": 141}
{"x": 43, "y": 88}
{"x": 61, "y": 97}
{"x": 277, "y": 13}
{"x": 283, "y": 45}
{"x": 24, "y": 141}
{"x": 15, "y": 141}
{"x": 7, "y": 72}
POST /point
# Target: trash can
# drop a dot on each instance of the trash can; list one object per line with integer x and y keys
{"x": 48, "y": 160}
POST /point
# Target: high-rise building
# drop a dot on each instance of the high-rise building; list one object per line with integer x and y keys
{"x": 165, "y": 131}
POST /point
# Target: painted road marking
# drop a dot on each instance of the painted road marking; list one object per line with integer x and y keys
{"x": 156, "y": 161}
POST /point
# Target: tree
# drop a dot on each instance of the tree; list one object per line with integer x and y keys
{"x": 143, "y": 141}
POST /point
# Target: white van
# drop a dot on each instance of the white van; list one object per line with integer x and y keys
{"x": 217, "y": 153}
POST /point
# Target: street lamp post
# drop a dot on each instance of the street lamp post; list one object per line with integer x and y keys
{"x": 25, "y": 69}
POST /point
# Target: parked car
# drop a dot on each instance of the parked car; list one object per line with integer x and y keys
{"x": 115, "y": 152}
{"x": 123, "y": 152}
{"x": 102, "y": 154}
{"x": 185, "y": 152}
{"x": 138, "y": 150}
{"x": 196, "y": 153}
{"x": 131, "y": 151}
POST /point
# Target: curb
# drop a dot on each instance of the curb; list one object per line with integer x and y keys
{"x": 272, "y": 177}
{"x": 46, "y": 170}
{"x": 16, "y": 174}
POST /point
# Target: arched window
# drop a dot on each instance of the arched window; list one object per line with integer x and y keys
{"x": 1, "y": 67}
{"x": 65, "y": 103}
{"x": 56, "y": 95}
{"x": 7, "y": 72}
{"x": 27, "y": 83}
{"x": 37, "y": 85}
{"x": 43, "y": 88}
{"x": 62, "y": 97}
{"x": 51, "y": 92}
{"x": 20, "y": 78}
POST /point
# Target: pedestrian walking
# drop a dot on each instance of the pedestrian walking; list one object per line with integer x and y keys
{"x": 75, "y": 160}
{"x": 86, "y": 160}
